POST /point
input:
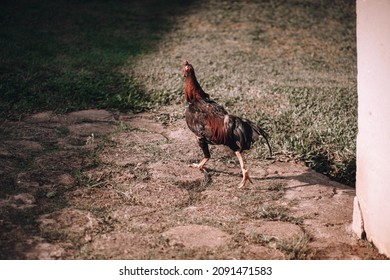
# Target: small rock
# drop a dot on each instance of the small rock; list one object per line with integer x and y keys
{"x": 24, "y": 198}
{"x": 87, "y": 238}
{"x": 66, "y": 180}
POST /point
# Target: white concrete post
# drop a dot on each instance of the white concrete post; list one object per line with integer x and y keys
{"x": 372, "y": 201}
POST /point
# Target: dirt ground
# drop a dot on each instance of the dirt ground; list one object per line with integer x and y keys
{"x": 99, "y": 184}
{"x": 127, "y": 192}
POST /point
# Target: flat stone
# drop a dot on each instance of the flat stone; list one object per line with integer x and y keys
{"x": 121, "y": 245}
{"x": 37, "y": 248}
{"x": 72, "y": 222}
{"x": 90, "y": 115}
{"x": 159, "y": 195}
{"x": 193, "y": 236}
{"x": 276, "y": 229}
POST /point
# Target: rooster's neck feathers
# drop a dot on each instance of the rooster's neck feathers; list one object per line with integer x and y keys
{"x": 193, "y": 90}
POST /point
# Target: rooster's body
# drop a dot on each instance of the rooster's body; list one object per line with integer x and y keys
{"x": 211, "y": 124}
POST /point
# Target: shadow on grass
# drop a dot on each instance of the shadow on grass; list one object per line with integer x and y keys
{"x": 67, "y": 55}
{"x": 342, "y": 172}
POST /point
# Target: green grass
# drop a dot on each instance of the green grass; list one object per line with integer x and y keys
{"x": 67, "y": 55}
{"x": 319, "y": 126}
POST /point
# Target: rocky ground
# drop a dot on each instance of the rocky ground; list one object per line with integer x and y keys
{"x": 99, "y": 184}
{"x": 103, "y": 185}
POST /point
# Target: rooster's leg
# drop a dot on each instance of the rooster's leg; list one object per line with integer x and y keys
{"x": 245, "y": 173}
{"x": 205, "y": 148}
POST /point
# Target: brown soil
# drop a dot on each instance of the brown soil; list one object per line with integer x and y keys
{"x": 127, "y": 192}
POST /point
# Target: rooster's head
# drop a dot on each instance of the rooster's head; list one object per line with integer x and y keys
{"x": 187, "y": 69}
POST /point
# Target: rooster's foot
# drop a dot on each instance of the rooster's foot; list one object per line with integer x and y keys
{"x": 245, "y": 178}
{"x": 200, "y": 165}
{"x": 196, "y": 165}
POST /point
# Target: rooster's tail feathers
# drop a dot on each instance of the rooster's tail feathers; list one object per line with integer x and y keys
{"x": 257, "y": 131}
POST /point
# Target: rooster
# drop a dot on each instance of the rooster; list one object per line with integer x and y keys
{"x": 212, "y": 124}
